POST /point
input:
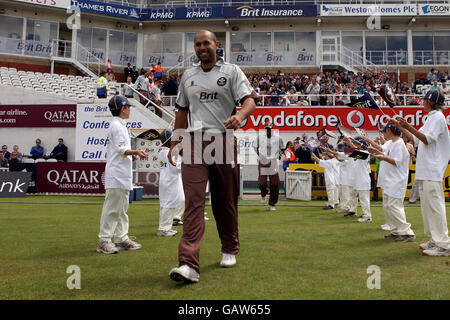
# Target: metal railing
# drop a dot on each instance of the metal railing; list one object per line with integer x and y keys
{"x": 338, "y": 54}
{"x": 388, "y": 57}
{"x": 73, "y": 50}
{"x": 431, "y": 57}
{"x": 151, "y": 103}
{"x": 307, "y": 100}
{"x": 186, "y": 62}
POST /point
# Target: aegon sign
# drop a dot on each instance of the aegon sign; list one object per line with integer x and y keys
{"x": 434, "y": 9}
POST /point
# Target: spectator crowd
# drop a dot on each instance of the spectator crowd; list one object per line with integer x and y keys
{"x": 13, "y": 159}
{"x": 297, "y": 89}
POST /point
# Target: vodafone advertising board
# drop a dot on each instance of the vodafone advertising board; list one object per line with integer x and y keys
{"x": 71, "y": 177}
{"x": 316, "y": 118}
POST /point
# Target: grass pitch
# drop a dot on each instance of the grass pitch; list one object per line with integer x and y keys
{"x": 293, "y": 253}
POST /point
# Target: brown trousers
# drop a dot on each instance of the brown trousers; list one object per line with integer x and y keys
{"x": 274, "y": 179}
{"x": 224, "y": 190}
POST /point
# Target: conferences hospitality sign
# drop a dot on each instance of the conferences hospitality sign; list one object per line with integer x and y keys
{"x": 354, "y": 10}
{"x": 92, "y": 130}
{"x": 315, "y": 119}
{"x": 270, "y": 11}
{"x": 38, "y": 116}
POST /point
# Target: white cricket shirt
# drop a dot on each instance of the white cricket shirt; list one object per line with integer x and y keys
{"x": 331, "y": 172}
{"x": 432, "y": 159}
{"x": 212, "y": 96}
{"x": 361, "y": 174}
{"x": 269, "y": 148}
{"x": 394, "y": 179}
{"x": 118, "y": 171}
{"x": 171, "y": 193}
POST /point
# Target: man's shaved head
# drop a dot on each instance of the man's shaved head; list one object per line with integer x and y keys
{"x": 205, "y": 46}
{"x": 209, "y": 33}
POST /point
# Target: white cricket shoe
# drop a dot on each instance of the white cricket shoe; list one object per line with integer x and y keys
{"x": 271, "y": 208}
{"x": 365, "y": 219}
{"x": 386, "y": 227}
{"x": 184, "y": 273}
{"x": 263, "y": 199}
{"x": 437, "y": 252}
{"x": 228, "y": 260}
{"x": 166, "y": 233}
{"x": 106, "y": 247}
{"x": 128, "y": 245}
{"x": 427, "y": 245}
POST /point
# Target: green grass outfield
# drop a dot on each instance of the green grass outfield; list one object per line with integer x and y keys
{"x": 298, "y": 252}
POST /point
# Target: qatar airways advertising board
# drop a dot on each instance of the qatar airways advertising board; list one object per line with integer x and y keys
{"x": 71, "y": 177}
{"x": 316, "y": 118}
{"x": 38, "y": 116}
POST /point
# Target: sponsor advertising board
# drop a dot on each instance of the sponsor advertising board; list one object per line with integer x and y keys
{"x": 316, "y": 118}
{"x": 92, "y": 129}
{"x": 434, "y": 9}
{"x": 49, "y": 3}
{"x": 71, "y": 177}
{"x": 38, "y": 116}
{"x": 14, "y": 184}
{"x": 270, "y": 11}
{"x": 355, "y": 10}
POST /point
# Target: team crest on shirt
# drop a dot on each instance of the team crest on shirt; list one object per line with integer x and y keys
{"x": 221, "y": 81}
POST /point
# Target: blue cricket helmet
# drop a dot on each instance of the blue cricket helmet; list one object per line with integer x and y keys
{"x": 435, "y": 96}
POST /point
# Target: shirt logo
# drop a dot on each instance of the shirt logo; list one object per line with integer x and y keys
{"x": 221, "y": 81}
{"x": 206, "y": 95}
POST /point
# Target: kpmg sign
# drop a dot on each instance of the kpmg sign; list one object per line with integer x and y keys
{"x": 270, "y": 11}
{"x": 181, "y": 13}
{"x": 187, "y": 13}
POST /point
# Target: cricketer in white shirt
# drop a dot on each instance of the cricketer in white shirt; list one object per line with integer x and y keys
{"x": 118, "y": 175}
{"x": 171, "y": 193}
{"x": 431, "y": 162}
{"x": 393, "y": 179}
{"x": 360, "y": 170}
{"x": 331, "y": 173}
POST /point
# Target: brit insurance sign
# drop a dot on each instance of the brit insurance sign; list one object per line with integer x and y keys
{"x": 270, "y": 11}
